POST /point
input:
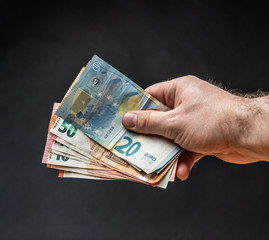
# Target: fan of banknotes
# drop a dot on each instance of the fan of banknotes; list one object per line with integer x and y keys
{"x": 86, "y": 138}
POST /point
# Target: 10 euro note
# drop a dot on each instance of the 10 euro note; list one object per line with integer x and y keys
{"x": 95, "y": 104}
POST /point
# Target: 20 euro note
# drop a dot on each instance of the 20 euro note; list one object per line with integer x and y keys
{"x": 75, "y": 139}
{"x": 98, "y": 99}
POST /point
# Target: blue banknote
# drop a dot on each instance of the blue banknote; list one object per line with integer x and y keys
{"x": 96, "y": 103}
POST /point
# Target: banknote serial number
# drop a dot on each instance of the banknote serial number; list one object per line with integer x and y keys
{"x": 109, "y": 131}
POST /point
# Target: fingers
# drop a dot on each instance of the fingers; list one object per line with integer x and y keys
{"x": 149, "y": 122}
{"x": 164, "y": 92}
{"x": 185, "y": 163}
{"x": 157, "y": 91}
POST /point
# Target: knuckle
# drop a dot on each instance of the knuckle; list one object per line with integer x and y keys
{"x": 144, "y": 120}
{"x": 189, "y": 78}
{"x": 172, "y": 123}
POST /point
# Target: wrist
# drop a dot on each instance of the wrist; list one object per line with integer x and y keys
{"x": 252, "y": 123}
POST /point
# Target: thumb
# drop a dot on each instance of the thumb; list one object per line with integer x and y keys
{"x": 147, "y": 121}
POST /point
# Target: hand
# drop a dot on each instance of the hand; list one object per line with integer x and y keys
{"x": 206, "y": 120}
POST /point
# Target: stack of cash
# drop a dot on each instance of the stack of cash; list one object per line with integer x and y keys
{"x": 86, "y": 138}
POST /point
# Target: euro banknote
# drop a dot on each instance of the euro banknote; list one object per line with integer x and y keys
{"x": 63, "y": 160}
{"x": 77, "y": 155}
{"x": 75, "y": 137}
{"x": 90, "y": 172}
{"x": 67, "y": 174}
{"x": 95, "y": 104}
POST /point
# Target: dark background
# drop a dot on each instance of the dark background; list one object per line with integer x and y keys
{"x": 43, "y": 47}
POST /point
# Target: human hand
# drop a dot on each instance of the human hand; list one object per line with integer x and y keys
{"x": 205, "y": 120}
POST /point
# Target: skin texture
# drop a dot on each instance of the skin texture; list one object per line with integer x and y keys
{"x": 206, "y": 120}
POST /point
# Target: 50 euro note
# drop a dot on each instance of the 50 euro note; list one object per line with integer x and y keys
{"x": 108, "y": 174}
{"x": 80, "y": 173}
{"x": 95, "y": 104}
{"x": 67, "y": 174}
{"x": 78, "y": 140}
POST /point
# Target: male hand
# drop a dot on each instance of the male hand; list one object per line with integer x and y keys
{"x": 206, "y": 120}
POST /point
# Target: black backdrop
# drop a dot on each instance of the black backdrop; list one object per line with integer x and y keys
{"x": 43, "y": 47}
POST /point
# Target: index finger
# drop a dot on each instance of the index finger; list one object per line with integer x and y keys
{"x": 164, "y": 92}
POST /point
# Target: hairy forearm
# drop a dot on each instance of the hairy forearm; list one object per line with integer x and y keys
{"x": 254, "y": 126}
